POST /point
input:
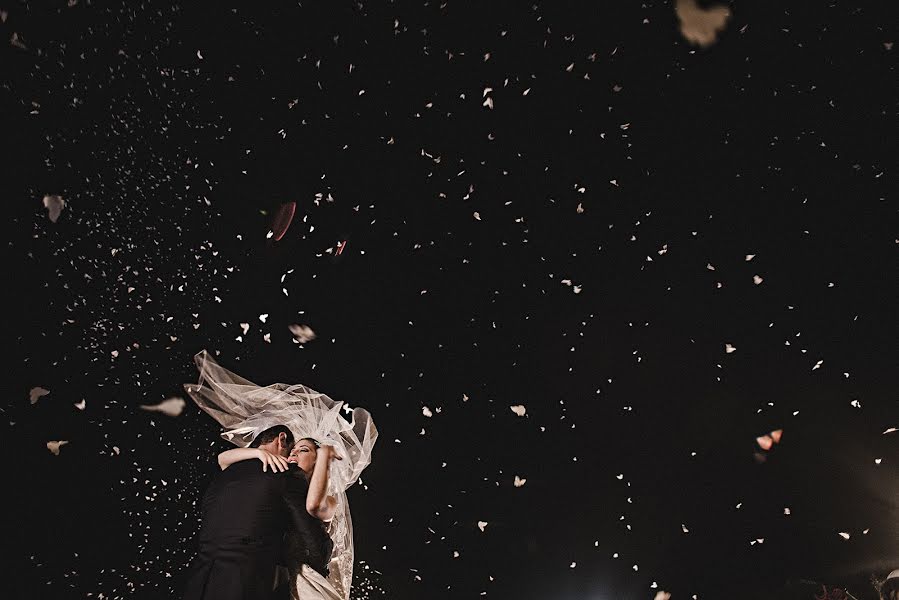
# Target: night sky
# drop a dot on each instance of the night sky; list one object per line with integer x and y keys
{"x": 548, "y": 243}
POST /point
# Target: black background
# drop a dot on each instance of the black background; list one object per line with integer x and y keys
{"x": 174, "y": 133}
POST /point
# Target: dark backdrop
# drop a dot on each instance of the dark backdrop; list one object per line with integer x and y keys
{"x": 173, "y": 134}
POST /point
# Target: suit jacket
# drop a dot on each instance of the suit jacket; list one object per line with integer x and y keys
{"x": 245, "y": 515}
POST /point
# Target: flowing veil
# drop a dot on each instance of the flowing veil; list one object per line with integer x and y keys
{"x": 245, "y": 409}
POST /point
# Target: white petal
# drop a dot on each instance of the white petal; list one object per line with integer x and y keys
{"x": 54, "y": 446}
{"x": 36, "y": 394}
{"x": 54, "y": 205}
{"x": 171, "y": 407}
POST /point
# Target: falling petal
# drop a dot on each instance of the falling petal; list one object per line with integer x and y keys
{"x": 765, "y": 442}
{"x": 519, "y": 410}
{"x": 15, "y": 40}
{"x": 54, "y": 446}
{"x": 36, "y": 394}
{"x": 54, "y": 205}
{"x": 171, "y": 407}
{"x": 302, "y": 333}
{"x": 282, "y": 219}
{"x": 698, "y": 25}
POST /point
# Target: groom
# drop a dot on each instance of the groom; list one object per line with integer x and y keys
{"x": 245, "y": 513}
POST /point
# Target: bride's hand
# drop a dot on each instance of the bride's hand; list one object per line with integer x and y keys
{"x": 277, "y": 463}
{"x": 330, "y": 452}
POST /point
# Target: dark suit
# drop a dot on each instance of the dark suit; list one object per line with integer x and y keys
{"x": 246, "y": 513}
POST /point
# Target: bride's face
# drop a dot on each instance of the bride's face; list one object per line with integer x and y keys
{"x": 303, "y": 454}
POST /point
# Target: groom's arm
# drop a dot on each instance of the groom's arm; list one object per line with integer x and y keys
{"x": 234, "y": 455}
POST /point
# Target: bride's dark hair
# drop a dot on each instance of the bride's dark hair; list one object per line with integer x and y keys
{"x": 271, "y": 434}
{"x": 313, "y": 440}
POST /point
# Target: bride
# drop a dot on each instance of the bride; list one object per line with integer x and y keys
{"x": 330, "y": 453}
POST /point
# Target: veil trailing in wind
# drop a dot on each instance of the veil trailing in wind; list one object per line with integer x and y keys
{"x": 245, "y": 409}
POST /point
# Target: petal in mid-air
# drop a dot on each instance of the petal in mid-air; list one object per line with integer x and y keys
{"x": 54, "y": 205}
{"x": 171, "y": 407}
{"x": 282, "y": 219}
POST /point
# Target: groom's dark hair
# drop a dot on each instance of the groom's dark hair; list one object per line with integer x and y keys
{"x": 271, "y": 434}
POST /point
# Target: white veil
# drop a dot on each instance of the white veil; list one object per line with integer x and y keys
{"x": 245, "y": 409}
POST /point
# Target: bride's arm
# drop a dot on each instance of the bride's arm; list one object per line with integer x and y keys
{"x": 318, "y": 503}
{"x": 229, "y": 457}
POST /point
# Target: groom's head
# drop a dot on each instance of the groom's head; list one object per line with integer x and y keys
{"x": 277, "y": 440}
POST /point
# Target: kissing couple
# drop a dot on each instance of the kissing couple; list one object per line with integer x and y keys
{"x": 276, "y": 520}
